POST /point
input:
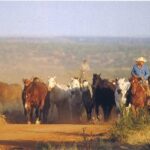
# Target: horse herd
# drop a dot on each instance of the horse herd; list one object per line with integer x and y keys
{"x": 70, "y": 100}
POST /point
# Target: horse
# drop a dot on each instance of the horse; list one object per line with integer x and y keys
{"x": 148, "y": 98}
{"x": 103, "y": 95}
{"x": 87, "y": 99}
{"x": 76, "y": 98}
{"x": 35, "y": 96}
{"x": 138, "y": 94}
{"x": 26, "y": 83}
{"x": 122, "y": 86}
{"x": 60, "y": 95}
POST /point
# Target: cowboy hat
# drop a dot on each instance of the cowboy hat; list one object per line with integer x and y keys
{"x": 141, "y": 59}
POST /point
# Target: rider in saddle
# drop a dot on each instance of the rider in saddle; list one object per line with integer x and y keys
{"x": 141, "y": 71}
{"x": 84, "y": 71}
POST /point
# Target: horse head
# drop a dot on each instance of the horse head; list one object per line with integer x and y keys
{"x": 51, "y": 83}
{"x": 29, "y": 99}
{"x": 135, "y": 83}
{"x": 26, "y": 82}
{"x": 122, "y": 86}
{"x": 96, "y": 80}
{"x": 75, "y": 83}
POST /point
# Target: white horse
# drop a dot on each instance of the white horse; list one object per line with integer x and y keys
{"x": 122, "y": 87}
{"x": 60, "y": 95}
{"x": 76, "y": 100}
{"x": 74, "y": 83}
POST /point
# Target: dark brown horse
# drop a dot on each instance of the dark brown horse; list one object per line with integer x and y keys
{"x": 138, "y": 94}
{"x": 35, "y": 97}
{"x": 103, "y": 95}
{"x": 26, "y": 83}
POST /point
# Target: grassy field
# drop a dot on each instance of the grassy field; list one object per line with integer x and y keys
{"x": 26, "y": 57}
{"x": 61, "y": 57}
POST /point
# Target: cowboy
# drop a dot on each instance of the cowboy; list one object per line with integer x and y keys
{"x": 140, "y": 69}
{"x": 84, "y": 70}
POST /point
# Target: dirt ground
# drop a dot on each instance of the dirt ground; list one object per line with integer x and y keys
{"x": 25, "y": 137}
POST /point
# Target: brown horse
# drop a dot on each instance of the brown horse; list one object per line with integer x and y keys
{"x": 35, "y": 96}
{"x": 26, "y": 83}
{"x": 138, "y": 94}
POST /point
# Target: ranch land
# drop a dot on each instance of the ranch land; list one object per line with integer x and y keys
{"x": 61, "y": 57}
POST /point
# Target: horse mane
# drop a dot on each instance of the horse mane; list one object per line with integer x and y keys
{"x": 105, "y": 83}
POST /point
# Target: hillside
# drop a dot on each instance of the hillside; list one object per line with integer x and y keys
{"x": 26, "y": 57}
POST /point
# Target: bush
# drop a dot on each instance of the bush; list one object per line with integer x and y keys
{"x": 127, "y": 123}
{"x": 44, "y": 146}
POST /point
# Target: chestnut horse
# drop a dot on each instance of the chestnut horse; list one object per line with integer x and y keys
{"x": 35, "y": 96}
{"x": 138, "y": 94}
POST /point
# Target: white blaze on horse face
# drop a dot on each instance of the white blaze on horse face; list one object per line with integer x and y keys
{"x": 85, "y": 84}
{"x": 121, "y": 84}
{"x": 123, "y": 87}
{"x": 51, "y": 83}
{"x": 26, "y": 106}
{"x": 75, "y": 83}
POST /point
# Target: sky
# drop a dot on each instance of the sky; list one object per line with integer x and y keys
{"x": 78, "y": 18}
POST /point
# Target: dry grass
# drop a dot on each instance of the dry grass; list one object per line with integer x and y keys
{"x": 3, "y": 120}
{"x": 140, "y": 136}
{"x": 130, "y": 126}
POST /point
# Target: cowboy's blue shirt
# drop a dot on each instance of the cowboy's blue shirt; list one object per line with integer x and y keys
{"x": 141, "y": 72}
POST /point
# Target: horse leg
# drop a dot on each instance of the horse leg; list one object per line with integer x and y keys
{"x": 118, "y": 109}
{"x": 30, "y": 116}
{"x": 137, "y": 110}
{"x": 70, "y": 110}
{"x": 45, "y": 114}
{"x": 133, "y": 110}
{"x": 97, "y": 111}
{"x": 38, "y": 115}
{"x": 46, "y": 108}
{"x": 25, "y": 112}
{"x": 89, "y": 112}
{"x": 127, "y": 109}
{"x": 109, "y": 109}
{"x": 106, "y": 112}
{"x": 39, "y": 112}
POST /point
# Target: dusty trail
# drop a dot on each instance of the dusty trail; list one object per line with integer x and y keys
{"x": 23, "y": 136}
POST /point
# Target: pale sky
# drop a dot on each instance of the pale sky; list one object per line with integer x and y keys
{"x": 46, "y": 19}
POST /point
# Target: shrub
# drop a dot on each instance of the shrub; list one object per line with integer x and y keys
{"x": 127, "y": 123}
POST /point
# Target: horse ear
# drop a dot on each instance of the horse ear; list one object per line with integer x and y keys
{"x": 130, "y": 79}
{"x": 116, "y": 80}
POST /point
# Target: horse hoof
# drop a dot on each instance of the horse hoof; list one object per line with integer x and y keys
{"x": 29, "y": 122}
{"x": 99, "y": 117}
{"x": 37, "y": 122}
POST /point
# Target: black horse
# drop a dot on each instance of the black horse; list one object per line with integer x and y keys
{"x": 103, "y": 95}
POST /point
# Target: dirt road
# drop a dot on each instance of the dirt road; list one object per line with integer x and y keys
{"x": 23, "y": 136}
